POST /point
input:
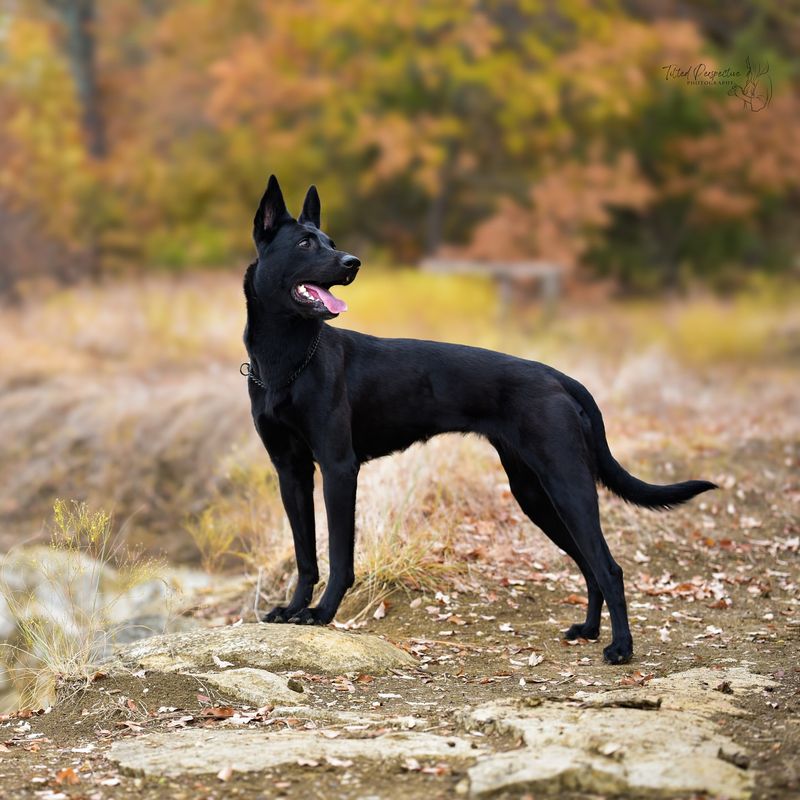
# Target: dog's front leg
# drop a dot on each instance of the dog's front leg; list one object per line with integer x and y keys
{"x": 295, "y": 467}
{"x": 296, "y": 480}
{"x": 339, "y": 483}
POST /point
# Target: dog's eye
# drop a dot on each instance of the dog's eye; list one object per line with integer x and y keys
{"x": 304, "y": 242}
{"x": 332, "y": 244}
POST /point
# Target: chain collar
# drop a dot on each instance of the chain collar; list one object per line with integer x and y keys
{"x": 246, "y": 367}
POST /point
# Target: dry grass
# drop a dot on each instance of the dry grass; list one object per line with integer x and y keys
{"x": 405, "y": 512}
{"x": 243, "y": 521}
{"x": 62, "y": 601}
{"x": 128, "y": 397}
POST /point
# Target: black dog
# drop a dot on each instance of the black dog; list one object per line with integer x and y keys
{"x": 340, "y": 398}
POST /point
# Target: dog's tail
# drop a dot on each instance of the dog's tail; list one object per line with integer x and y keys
{"x": 615, "y": 477}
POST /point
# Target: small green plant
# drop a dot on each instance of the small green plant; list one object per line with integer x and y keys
{"x": 244, "y": 520}
{"x": 215, "y": 536}
{"x": 63, "y": 599}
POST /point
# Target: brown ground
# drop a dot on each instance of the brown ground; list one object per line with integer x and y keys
{"x": 708, "y": 585}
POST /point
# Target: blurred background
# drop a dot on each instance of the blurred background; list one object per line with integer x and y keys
{"x": 140, "y": 134}
{"x": 612, "y": 187}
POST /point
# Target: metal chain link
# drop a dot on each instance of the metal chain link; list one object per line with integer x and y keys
{"x": 246, "y": 368}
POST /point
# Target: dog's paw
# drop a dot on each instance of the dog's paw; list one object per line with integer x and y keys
{"x": 278, "y": 614}
{"x": 618, "y": 653}
{"x": 581, "y": 631}
{"x": 310, "y": 616}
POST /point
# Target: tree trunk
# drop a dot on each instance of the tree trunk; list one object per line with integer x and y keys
{"x": 437, "y": 208}
{"x": 78, "y": 17}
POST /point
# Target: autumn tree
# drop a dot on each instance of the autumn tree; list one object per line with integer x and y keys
{"x": 508, "y": 128}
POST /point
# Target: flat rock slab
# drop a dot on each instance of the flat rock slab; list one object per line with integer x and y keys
{"x": 269, "y": 647}
{"x": 202, "y": 751}
{"x": 258, "y": 687}
{"x": 693, "y": 690}
{"x": 612, "y": 751}
{"x": 598, "y": 745}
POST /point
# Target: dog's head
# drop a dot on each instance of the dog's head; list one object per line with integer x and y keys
{"x": 297, "y": 263}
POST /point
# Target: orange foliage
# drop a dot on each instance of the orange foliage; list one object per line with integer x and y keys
{"x": 520, "y": 130}
{"x": 569, "y": 207}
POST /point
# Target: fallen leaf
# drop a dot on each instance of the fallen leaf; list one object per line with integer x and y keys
{"x": 218, "y": 712}
{"x": 225, "y": 773}
{"x": 436, "y": 769}
{"x": 636, "y": 679}
{"x": 380, "y": 611}
{"x": 181, "y": 722}
{"x": 338, "y": 762}
{"x": 575, "y": 600}
{"x": 68, "y": 776}
{"x": 723, "y": 602}
{"x": 506, "y": 627}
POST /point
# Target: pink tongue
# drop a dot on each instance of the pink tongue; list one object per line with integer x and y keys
{"x": 333, "y": 304}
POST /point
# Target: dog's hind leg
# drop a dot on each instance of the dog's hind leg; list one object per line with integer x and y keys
{"x": 533, "y": 500}
{"x": 554, "y": 447}
{"x": 570, "y": 486}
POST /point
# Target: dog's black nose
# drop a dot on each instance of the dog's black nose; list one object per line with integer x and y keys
{"x": 350, "y": 261}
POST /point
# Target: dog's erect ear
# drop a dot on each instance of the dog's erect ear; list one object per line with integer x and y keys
{"x": 271, "y": 213}
{"x": 311, "y": 207}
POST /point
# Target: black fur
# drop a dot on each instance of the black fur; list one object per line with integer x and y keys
{"x": 339, "y": 398}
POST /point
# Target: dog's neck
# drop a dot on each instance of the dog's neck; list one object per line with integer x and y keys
{"x": 278, "y": 343}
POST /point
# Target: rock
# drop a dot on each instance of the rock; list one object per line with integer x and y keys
{"x": 198, "y": 751}
{"x": 333, "y": 716}
{"x": 73, "y": 591}
{"x": 598, "y": 747}
{"x": 269, "y": 647}
{"x": 692, "y": 690}
{"x": 254, "y": 686}
{"x": 611, "y": 751}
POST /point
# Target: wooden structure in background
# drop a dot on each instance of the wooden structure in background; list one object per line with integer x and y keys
{"x": 519, "y": 283}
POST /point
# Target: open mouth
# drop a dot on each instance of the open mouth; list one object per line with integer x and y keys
{"x": 314, "y": 296}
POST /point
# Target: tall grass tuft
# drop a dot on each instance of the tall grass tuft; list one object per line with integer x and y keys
{"x": 64, "y": 598}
